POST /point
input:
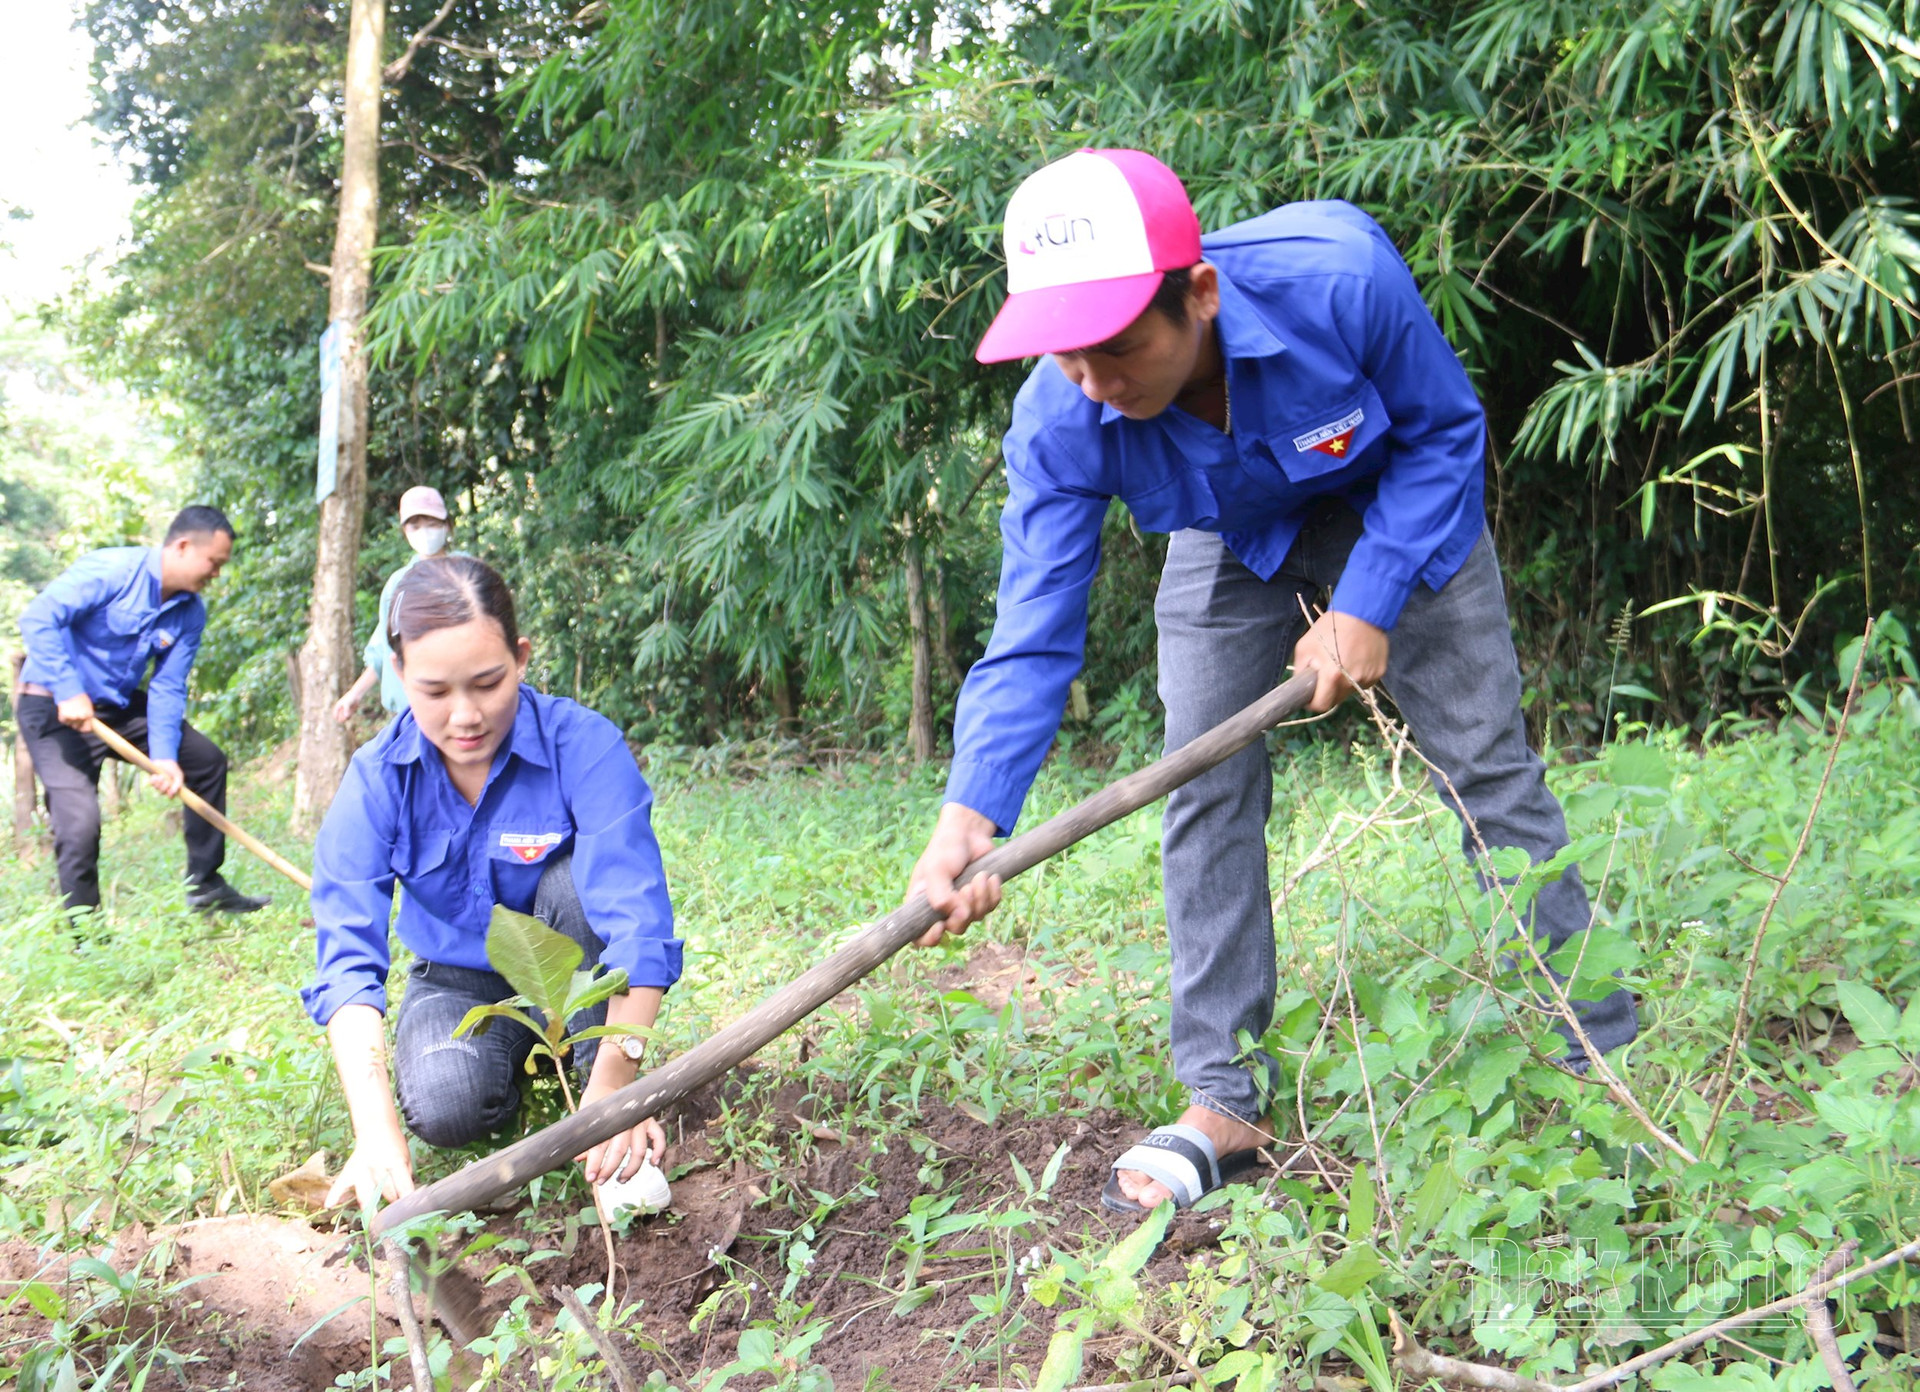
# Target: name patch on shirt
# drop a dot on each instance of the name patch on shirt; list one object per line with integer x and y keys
{"x": 530, "y": 845}
{"x": 1331, "y": 439}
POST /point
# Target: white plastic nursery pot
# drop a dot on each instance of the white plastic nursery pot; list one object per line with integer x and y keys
{"x": 646, "y": 1192}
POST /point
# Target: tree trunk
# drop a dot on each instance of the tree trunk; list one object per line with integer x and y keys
{"x": 943, "y": 627}
{"x": 780, "y": 691}
{"x": 326, "y": 659}
{"x": 710, "y": 713}
{"x": 920, "y": 722}
{"x": 24, "y": 793}
{"x": 292, "y": 656}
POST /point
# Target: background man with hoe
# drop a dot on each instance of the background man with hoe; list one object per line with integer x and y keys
{"x": 1287, "y": 408}
{"x": 89, "y": 637}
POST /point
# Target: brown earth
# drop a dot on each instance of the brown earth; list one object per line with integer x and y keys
{"x": 259, "y": 1284}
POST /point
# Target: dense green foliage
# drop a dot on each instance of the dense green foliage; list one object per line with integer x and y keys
{"x": 1502, "y": 1209}
{"x": 81, "y": 465}
{"x": 680, "y": 300}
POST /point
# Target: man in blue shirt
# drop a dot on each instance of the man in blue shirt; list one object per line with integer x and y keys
{"x": 1277, "y": 396}
{"x": 90, "y": 636}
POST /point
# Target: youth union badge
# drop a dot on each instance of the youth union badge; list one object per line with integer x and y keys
{"x": 530, "y": 846}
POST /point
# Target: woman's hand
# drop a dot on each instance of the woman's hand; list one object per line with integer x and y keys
{"x": 620, "y": 1157}
{"x": 380, "y": 1167}
{"x": 379, "y": 1171}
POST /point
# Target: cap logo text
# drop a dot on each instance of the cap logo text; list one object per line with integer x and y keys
{"x": 1055, "y": 230}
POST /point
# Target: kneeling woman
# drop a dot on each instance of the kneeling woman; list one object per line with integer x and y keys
{"x": 484, "y": 792}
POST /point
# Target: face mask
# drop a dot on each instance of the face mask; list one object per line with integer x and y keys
{"x": 428, "y": 541}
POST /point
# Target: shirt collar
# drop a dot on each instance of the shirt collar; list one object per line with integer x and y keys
{"x": 525, "y": 743}
{"x": 1243, "y": 333}
{"x": 528, "y": 742}
{"x": 161, "y": 599}
{"x": 152, "y": 567}
{"x": 407, "y": 744}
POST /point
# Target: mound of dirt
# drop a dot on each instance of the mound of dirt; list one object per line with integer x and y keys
{"x": 237, "y": 1295}
{"x": 260, "y": 1284}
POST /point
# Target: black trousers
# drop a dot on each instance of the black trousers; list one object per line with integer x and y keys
{"x": 68, "y": 764}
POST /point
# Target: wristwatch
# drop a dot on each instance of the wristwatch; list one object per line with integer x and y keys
{"x": 630, "y": 1045}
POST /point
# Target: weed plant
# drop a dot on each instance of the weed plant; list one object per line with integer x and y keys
{"x": 1500, "y": 1208}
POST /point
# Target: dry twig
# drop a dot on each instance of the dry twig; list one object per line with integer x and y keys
{"x": 1410, "y": 1358}
{"x": 402, "y": 1291}
{"x": 1417, "y": 1362}
{"x": 1819, "y": 1290}
{"x": 397, "y": 69}
{"x": 1722, "y": 1090}
{"x": 1562, "y": 1003}
{"x": 1820, "y": 1320}
{"x": 623, "y": 1377}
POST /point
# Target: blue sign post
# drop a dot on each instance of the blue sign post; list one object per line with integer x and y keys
{"x": 328, "y": 474}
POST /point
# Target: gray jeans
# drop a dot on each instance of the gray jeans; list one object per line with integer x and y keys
{"x": 1226, "y": 637}
{"x": 457, "y": 1091}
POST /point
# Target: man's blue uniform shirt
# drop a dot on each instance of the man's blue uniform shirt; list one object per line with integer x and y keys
{"x": 1342, "y": 385}
{"x": 95, "y": 628}
{"x": 563, "y": 781}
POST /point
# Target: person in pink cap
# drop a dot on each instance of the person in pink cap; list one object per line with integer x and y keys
{"x": 1276, "y": 396}
{"x": 424, "y": 520}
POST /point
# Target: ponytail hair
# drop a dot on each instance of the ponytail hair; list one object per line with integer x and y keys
{"x": 444, "y": 592}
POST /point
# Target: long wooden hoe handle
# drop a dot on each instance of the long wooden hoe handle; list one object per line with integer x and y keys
{"x": 553, "y": 1146}
{"x": 120, "y": 745}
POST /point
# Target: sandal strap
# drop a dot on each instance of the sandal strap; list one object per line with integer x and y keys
{"x": 1180, "y": 1157}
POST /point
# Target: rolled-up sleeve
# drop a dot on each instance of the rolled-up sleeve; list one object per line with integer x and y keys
{"x": 1010, "y": 704}
{"x": 1436, "y": 443}
{"x": 167, "y": 691}
{"x": 617, "y": 869}
{"x": 352, "y": 898}
{"x": 46, "y": 624}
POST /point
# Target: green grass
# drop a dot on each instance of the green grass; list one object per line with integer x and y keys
{"x": 1503, "y": 1210}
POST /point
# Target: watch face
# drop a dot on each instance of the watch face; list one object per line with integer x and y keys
{"x": 630, "y": 1046}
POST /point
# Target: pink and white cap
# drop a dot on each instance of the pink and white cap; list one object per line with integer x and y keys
{"x": 1088, "y": 240}
{"x": 421, "y": 501}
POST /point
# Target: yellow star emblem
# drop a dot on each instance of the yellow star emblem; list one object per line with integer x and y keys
{"x": 1338, "y": 446}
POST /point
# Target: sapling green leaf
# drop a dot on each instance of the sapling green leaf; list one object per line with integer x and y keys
{"x": 588, "y": 990}
{"x": 537, "y": 962}
{"x": 476, "y": 1020}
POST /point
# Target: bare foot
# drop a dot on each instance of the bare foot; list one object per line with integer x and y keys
{"x": 1228, "y": 1134}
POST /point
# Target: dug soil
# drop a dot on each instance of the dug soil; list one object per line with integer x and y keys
{"x": 245, "y": 1290}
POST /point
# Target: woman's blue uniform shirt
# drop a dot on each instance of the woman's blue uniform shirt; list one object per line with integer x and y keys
{"x": 564, "y": 780}
{"x": 1342, "y": 385}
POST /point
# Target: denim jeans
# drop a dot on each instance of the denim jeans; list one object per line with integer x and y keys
{"x": 457, "y": 1091}
{"x": 1226, "y": 637}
